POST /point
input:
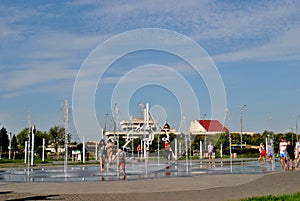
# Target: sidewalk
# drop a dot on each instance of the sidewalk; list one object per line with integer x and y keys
{"x": 203, "y": 187}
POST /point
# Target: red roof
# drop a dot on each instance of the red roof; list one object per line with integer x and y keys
{"x": 213, "y": 126}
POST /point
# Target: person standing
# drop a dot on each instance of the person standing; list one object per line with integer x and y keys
{"x": 121, "y": 160}
{"x": 101, "y": 154}
{"x": 270, "y": 152}
{"x": 210, "y": 151}
{"x": 109, "y": 150}
{"x": 282, "y": 152}
{"x": 290, "y": 155}
{"x": 168, "y": 150}
{"x": 262, "y": 153}
{"x": 139, "y": 150}
{"x": 297, "y": 155}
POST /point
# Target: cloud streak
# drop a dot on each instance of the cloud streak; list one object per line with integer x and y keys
{"x": 284, "y": 48}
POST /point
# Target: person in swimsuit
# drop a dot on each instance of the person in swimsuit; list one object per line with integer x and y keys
{"x": 262, "y": 153}
{"x": 282, "y": 152}
{"x": 121, "y": 160}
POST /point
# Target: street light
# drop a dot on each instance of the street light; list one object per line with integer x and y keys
{"x": 297, "y": 126}
{"x": 242, "y": 125}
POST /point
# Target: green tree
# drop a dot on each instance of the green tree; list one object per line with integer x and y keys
{"x": 56, "y": 136}
{"x": 14, "y": 145}
{"x": 22, "y": 137}
{"x": 224, "y": 140}
{"x": 4, "y": 141}
{"x": 39, "y": 136}
{"x": 196, "y": 142}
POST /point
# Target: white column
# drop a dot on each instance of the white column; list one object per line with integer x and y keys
{"x": 147, "y": 115}
{"x": 83, "y": 150}
{"x": 142, "y": 149}
{"x": 158, "y": 148}
{"x": 205, "y": 147}
{"x": 221, "y": 150}
{"x": 201, "y": 152}
{"x": 25, "y": 155}
{"x": 176, "y": 152}
{"x": 180, "y": 148}
{"x": 9, "y": 150}
{"x": 43, "y": 153}
{"x": 96, "y": 150}
{"x": 145, "y": 150}
{"x": 32, "y": 147}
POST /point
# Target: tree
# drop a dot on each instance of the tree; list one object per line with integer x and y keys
{"x": 14, "y": 145}
{"x": 22, "y": 137}
{"x": 224, "y": 140}
{"x": 39, "y": 136}
{"x": 4, "y": 141}
{"x": 56, "y": 136}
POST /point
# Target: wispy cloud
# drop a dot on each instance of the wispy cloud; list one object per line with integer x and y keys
{"x": 286, "y": 47}
{"x": 222, "y": 27}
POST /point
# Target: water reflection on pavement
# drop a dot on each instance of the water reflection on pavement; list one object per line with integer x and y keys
{"x": 137, "y": 170}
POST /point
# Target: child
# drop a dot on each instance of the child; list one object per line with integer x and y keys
{"x": 270, "y": 152}
{"x": 262, "y": 153}
{"x": 121, "y": 160}
{"x": 101, "y": 153}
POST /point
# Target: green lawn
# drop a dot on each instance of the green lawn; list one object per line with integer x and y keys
{"x": 293, "y": 197}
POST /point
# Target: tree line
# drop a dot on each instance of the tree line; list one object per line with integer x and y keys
{"x": 55, "y": 137}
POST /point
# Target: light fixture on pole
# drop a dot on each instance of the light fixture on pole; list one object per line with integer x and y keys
{"x": 241, "y": 124}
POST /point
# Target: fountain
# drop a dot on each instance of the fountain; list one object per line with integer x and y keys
{"x": 66, "y": 125}
{"x": 137, "y": 170}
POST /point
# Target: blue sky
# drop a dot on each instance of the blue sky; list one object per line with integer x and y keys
{"x": 254, "y": 45}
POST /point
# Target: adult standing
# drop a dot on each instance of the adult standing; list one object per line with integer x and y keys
{"x": 282, "y": 152}
{"x": 290, "y": 155}
{"x": 297, "y": 155}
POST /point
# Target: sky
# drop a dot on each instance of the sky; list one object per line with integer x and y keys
{"x": 187, "y": 59}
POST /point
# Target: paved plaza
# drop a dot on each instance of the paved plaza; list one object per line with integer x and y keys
{"x": 216, "y": 186}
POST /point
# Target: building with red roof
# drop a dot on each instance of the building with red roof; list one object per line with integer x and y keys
{"x": 207, "y": 127}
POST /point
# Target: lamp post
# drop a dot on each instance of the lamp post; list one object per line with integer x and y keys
{"x": 241, "y": 124}
{"x": 297, "y": 126}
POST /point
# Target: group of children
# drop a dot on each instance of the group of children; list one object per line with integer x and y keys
{"x": 265, "y": 153}
{"x": 106, "y": 149}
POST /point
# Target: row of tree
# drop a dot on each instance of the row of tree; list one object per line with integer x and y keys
{"x": 55, "y": 136}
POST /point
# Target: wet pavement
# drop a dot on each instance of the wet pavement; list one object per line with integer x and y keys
{"x": 152, "y": 181}
{"x": 137, "y": 170}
